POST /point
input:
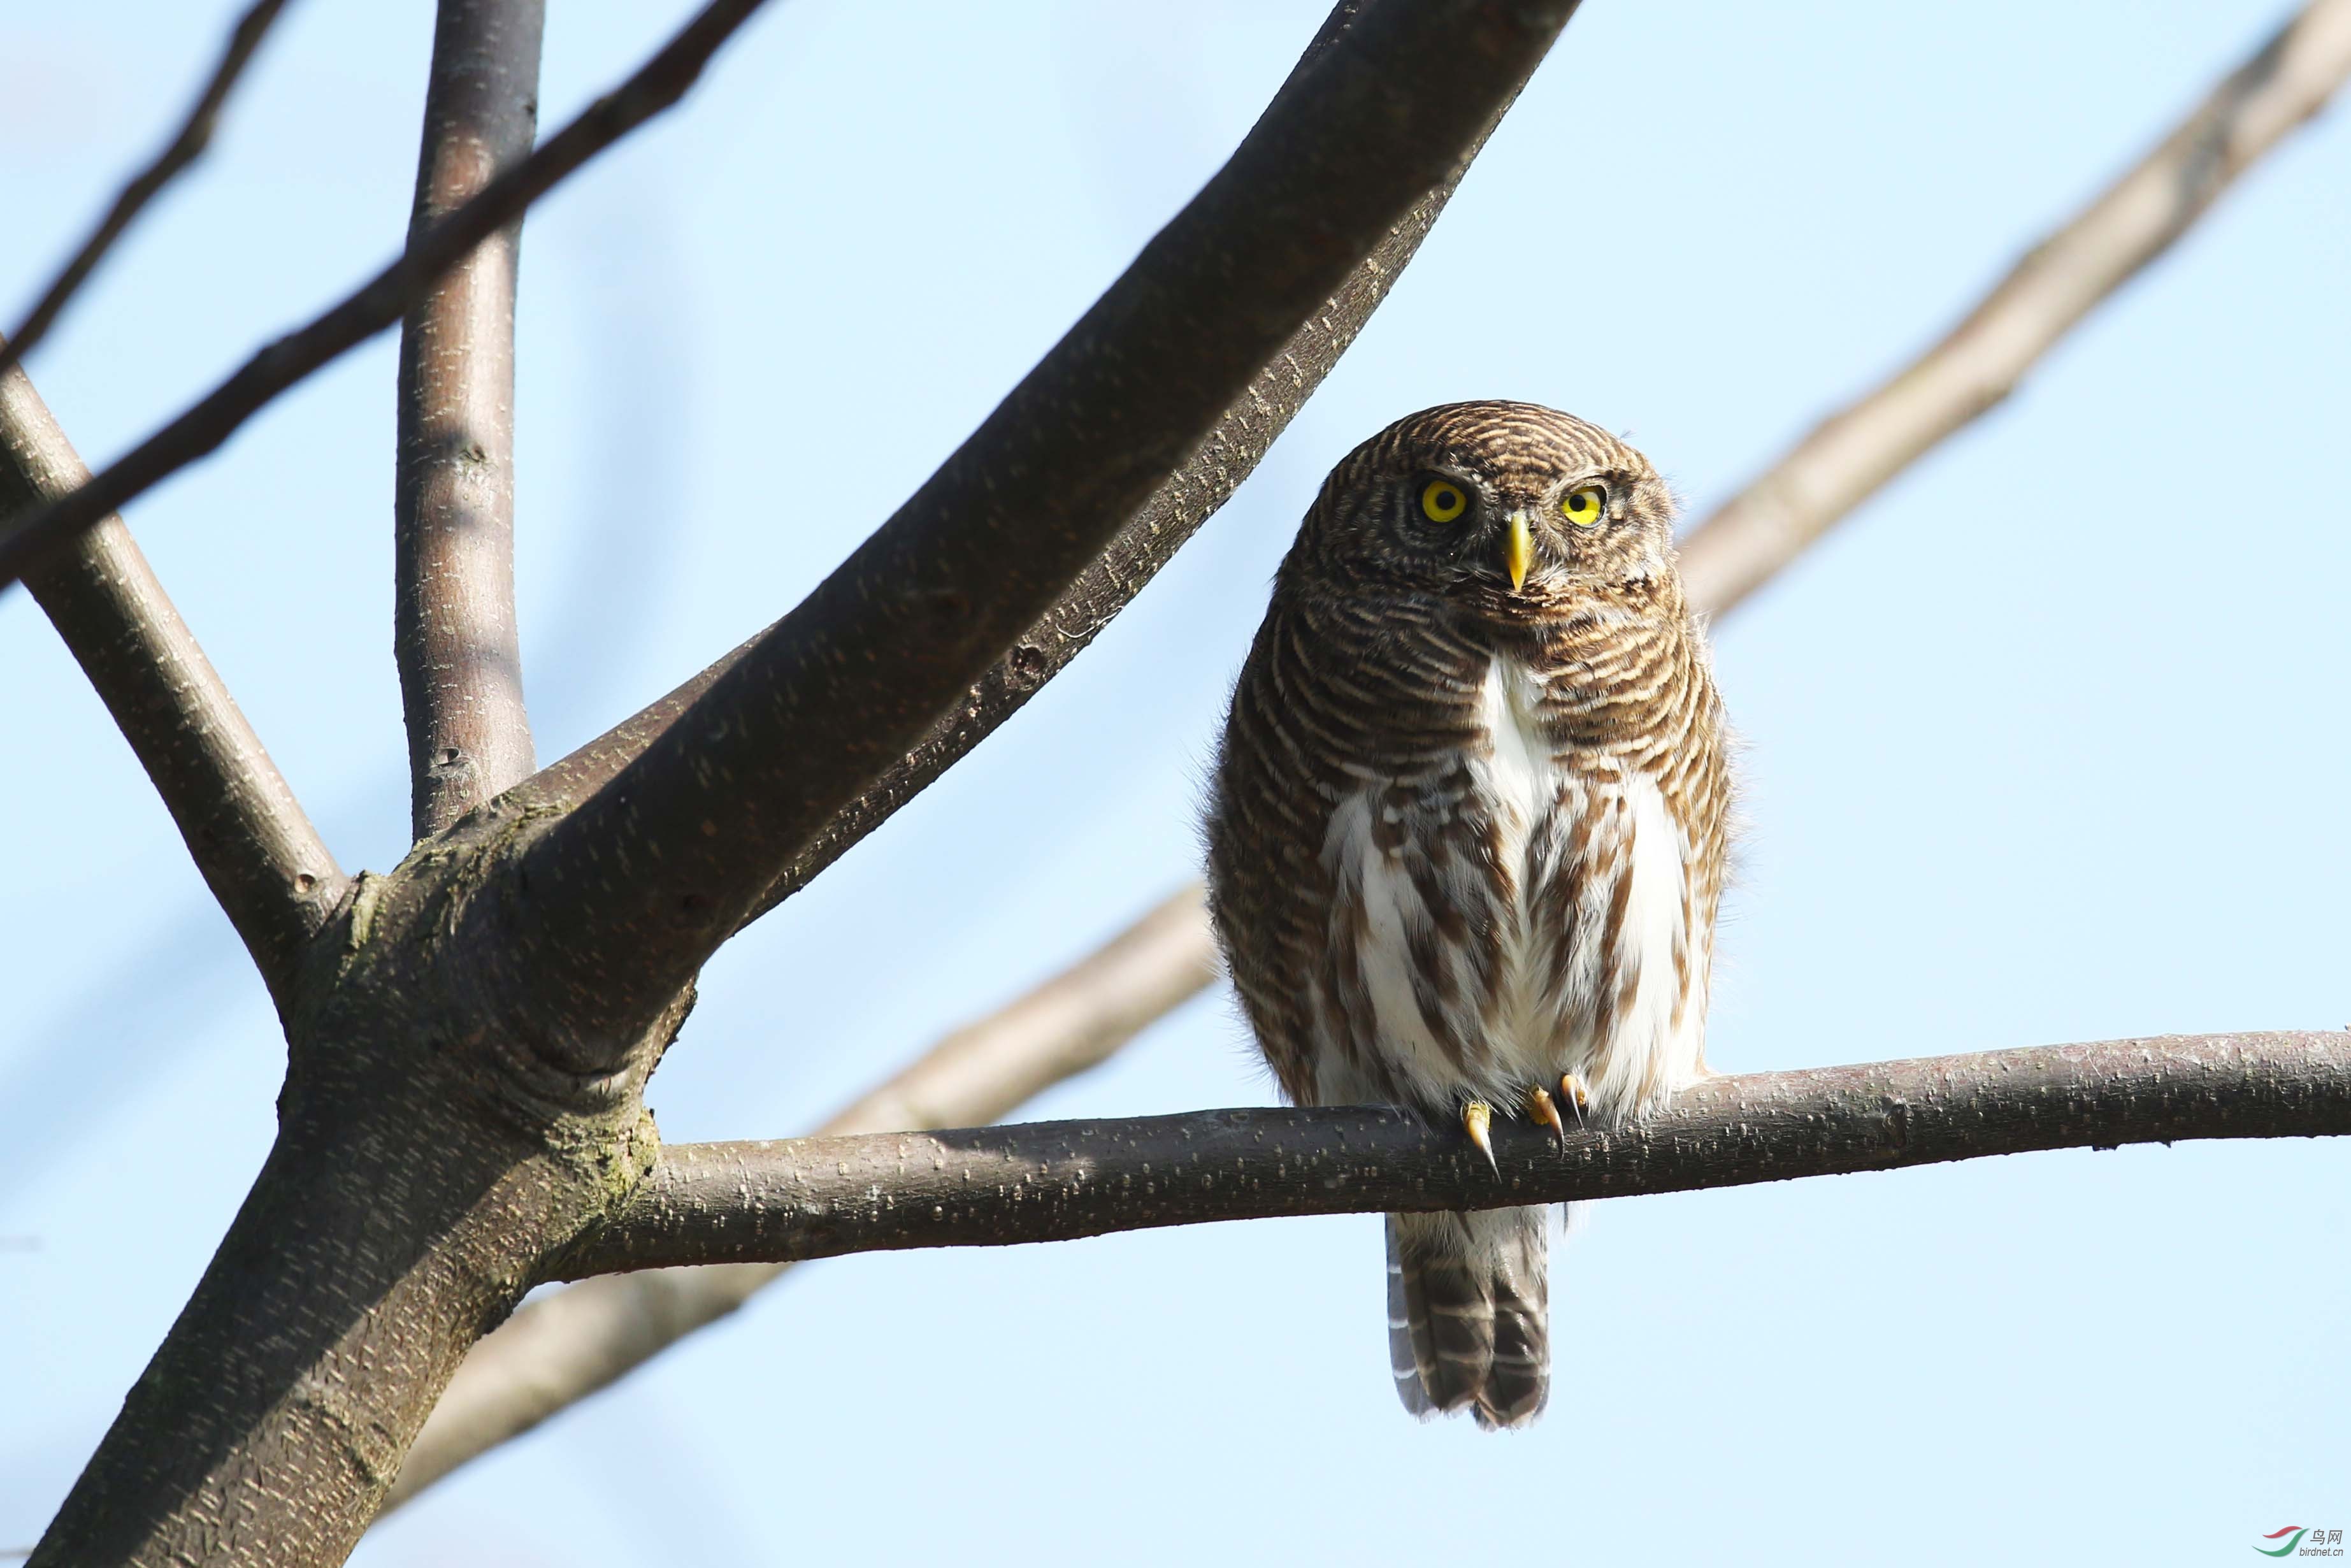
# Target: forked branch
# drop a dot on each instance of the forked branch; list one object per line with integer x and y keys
{"x": 559, "y": 1350}
{"x": 567, "y": 1346}
{"x": 1053, "y": 1181}
{"x": 453, "y": 631}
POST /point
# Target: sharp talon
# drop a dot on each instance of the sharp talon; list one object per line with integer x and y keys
{"x": 1477, "y": 1119}
{"x": 1572, "y": 1090}
{"x": 1539, "y": 1107}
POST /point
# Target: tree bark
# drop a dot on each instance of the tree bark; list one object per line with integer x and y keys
{"x": 465, "y": 1090}
{"x": 569, "y": 1345}
{"x": 1149, "y": 539}
{"x": 1054, "y": 1181}
{"x": 266, "y": 864}
{"x": 454, "y": 637}
{"x": 420, "y": 1175}
{"x": 635, "y": 886}
{"x": 563, "y": 1347}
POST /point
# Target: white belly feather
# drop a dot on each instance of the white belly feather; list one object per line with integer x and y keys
{"x": 1540, "y": 1018}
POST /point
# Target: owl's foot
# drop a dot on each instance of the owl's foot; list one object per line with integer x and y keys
{"x": 1542, "y": 1109}
{"x": 1477, "y": 1120}
{"x": 1572, "y": 1090}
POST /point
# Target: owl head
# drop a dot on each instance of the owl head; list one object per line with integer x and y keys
{"x": 1508, "y": 511}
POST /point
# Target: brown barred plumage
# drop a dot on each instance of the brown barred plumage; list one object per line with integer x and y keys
{"x": 1467, "y": 838}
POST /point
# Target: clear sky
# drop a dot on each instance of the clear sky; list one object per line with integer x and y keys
{"x": 2046, "y": 744}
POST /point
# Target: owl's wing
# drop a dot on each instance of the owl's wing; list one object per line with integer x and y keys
{"x": 1268, "y": 889}
{"x": 1355, "y": 876}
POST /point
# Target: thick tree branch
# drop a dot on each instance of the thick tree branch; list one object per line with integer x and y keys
{"x": 415, "y": 1185}
{"x": 1149, "y": 540}
{"x": 1052, "y": 1181}
{"x": 1173, "y": 514}
{"x": 453, "y": 633}
{"x": 195, "y": 134}
{"x": 259, "y": 854}
{"x": 1850, "y": 453}
{"x": 623, "y": 898}
{"x": 1725, "y": 556}
{"x": 659, "y": 83}
{"x": 559, "y": 1350}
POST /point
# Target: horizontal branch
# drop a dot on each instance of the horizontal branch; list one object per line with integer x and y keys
{"x": 654, "y": 86}
{"x": 568, "y": 1345}
{"x": 1052, "y": 1181}
{"x": 629, "y": 892}
{"x": 563, "y": 1347}
{"x": 1849, "y": 455}
{"x": 266, "y": 864}
{"x": 195, "y": 134}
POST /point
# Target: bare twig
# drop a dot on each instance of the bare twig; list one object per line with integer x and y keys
{"x": 561, "y": 1348}
{"x": 454, "y": 612}
{"x": 259, "y": 854}
{"x": 656, "y": 85}
{"x": 1850, "y": 453}
{"x": 826, "y": 703}
{"x": 1052, "y": 1181}
{"x": 195, "y": 134}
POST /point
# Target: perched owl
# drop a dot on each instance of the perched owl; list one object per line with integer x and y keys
{"x": 1466, "y": 833}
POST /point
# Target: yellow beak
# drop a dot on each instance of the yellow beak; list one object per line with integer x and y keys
{"x": 1519, "y": 550}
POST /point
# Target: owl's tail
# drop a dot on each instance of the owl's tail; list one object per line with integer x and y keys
{"x": 1469, "y": 1313}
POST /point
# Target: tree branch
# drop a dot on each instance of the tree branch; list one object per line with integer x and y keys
{"x": 562, "y": 1348}
{"x": 453, "y": 633}
{"x": 1724, "y": 558}
{"x": 656, "y": 85}
{"x": 1052, "y": 1181}
{"x": 195, "y": 134}
{"x": 1850, "y": 453}
{"x": 1174, "y": 513}
{"x": 264, "y": 862}
{"x": 387, "y": 1228}
{"x": 621, "y": 899}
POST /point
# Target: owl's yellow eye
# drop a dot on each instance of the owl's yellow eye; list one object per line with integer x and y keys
{"x": 1583, "y": 507}
{"x": 1443, "y": 500}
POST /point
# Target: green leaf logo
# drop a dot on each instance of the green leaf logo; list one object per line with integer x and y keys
{"x": 2297, "y": 1530}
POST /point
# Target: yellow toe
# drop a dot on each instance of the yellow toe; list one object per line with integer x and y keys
{"x": 1478, "y": 1121}
{"x": 1572, "y": 1090}
{"x": 1545, "y": 1113}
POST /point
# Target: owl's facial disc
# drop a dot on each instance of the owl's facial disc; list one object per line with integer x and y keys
{"x": 1518, "y": 548}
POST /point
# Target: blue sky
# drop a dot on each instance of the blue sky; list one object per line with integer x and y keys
{"x": 2046, "y": 744}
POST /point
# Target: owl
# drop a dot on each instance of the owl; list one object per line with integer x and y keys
{"x": 1467, "y": 832}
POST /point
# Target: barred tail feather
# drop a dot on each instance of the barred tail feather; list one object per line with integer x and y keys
{"x": 1468, "y": 1313}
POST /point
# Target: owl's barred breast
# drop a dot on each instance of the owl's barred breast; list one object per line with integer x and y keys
{"x": 1449, "y": 862}
{"x": 1468, "y": 833}
{"x": 1514, "y": 914}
